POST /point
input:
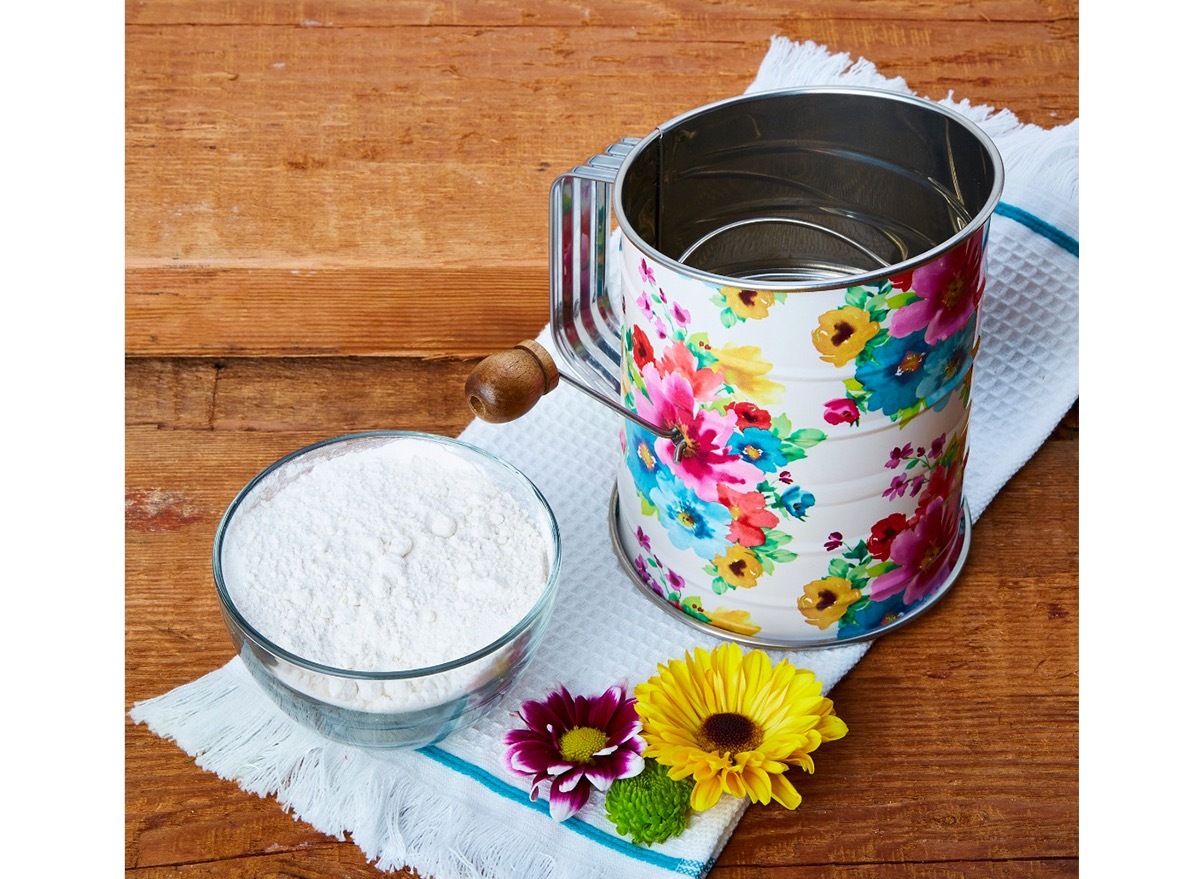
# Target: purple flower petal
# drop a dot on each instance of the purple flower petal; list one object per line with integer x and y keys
{"x": 564, "y": 804}
{"x": 568, "y": 780}
{"x": 626, "y": 764}
{"x": 601, "y": 709}
{"x": 530, "y": 757}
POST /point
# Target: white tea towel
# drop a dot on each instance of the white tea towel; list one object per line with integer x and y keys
{"x": 452, "y": 811}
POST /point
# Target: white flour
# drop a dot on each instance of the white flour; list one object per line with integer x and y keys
{"x": 394, "y": 556}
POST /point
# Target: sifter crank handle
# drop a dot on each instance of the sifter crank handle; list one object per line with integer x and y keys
{"x": 506, "y": 385}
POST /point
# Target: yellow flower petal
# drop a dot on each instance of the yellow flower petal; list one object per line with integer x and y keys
{"x": 706, "y": 793}
{"x": 783, "y": 792}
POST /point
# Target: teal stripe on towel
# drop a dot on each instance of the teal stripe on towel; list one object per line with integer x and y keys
{"x": 656, "y": 859}
{"x": 1040, "y": 226}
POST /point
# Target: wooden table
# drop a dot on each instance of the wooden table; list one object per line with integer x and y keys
{"x": 335, "y": 209}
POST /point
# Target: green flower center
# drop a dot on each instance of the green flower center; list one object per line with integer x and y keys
{"x": 580, "y": 743}
{"x": 729, "y": 732}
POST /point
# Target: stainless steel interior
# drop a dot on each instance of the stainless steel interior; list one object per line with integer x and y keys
{"x": 801, "y": 187}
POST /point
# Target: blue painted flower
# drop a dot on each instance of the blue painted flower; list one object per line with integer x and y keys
{"x": 864, "y": 620}
{"x": 759, "y": 447}
{"x": 644, "y": 465}
{"x": 893, "y": 376}
{"x": 691, "y": 523}
{"x": 797, "y": 501}
{"x": 946, "y": 365}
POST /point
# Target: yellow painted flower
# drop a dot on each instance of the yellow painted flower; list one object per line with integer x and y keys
{"x": 842, "y": 334}
{"x": 735, "y": 724}
{"x": 739, "y": 567}
{"x": 743, "y": 367}
{"x": 736, "y": 621}
{"x": 824, "y": 601}
{"x": 748, "y": 304}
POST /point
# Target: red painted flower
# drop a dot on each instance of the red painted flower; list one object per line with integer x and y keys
{"x": 842, "y": 411}
{"x": 576, "y": 743}
{"x": 749, "y": 415}
{"x": 883, "y": 532}
{"x": 749, "y": 514}
{"x": 938, "y": 487}
{"x": 643, "y": 351}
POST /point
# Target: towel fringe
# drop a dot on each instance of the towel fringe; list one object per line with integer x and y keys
{"x": 395, "y": 814}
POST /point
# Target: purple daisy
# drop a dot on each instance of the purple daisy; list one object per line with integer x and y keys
{"x": 576, "y": 743}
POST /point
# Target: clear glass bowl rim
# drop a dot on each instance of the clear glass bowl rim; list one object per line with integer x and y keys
{"x": 489, "y": 460}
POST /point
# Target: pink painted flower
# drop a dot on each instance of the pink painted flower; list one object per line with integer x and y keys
{"x": 919, "y": 552}
{"x": 842, "y": 411}
{"x": 576, "y": 743}
{"x": 660, "y": 328}
{"x": 643, "y": 303}
{"x": 897, "y": 488}
{"x": 646, "y": 272}
{"x": 643, "y": 539}
{"x": 949, "y": 289}
{"x": 679, "y": 359}
{"x": 681, "y": 315}
{"x": 899, "y": 456}
{"x": 705, "y": 460}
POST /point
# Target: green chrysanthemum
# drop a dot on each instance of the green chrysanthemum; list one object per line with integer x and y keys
{"x": 649, "y": 807}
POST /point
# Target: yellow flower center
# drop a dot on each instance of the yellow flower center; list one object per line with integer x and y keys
{"x": 752, "y": 453}
{"x": 954, "y": 291}
{"x": 735, "y": 512}
{"x": 646, "y": 456}
{"x": 686, "y": 519}
{"x": 728, "y": 732}
{"x": 910, "y": 364}
{"x": 580, "y": 743}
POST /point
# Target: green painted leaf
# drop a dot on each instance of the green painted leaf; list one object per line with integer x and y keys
{"x": 728, "y": 318}
{"x": 839, "y": 568}
{"x": 881, "y": 568}
{"x": 857, "y": 296}
{"x": 807, "y": 437}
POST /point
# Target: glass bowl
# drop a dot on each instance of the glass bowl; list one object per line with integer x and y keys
{"x": 407, "y": 707}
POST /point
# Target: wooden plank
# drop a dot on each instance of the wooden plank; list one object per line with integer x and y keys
{"x": 492, "y": 13}
{"x": 303, "y": 145}
{"x": 328, "y": 394}
{"x": 364, "y": 312}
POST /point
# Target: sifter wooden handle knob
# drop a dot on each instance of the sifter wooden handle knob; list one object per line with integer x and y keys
{"x": 506, "y": 385}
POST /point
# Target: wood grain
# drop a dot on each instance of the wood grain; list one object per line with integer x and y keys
{"x": 335, "y": 209}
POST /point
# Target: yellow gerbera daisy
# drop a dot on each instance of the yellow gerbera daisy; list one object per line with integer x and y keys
{"x": 735, "y": 724}
{"x": 743, "y": 367}
{"x": 842, "y": 334}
